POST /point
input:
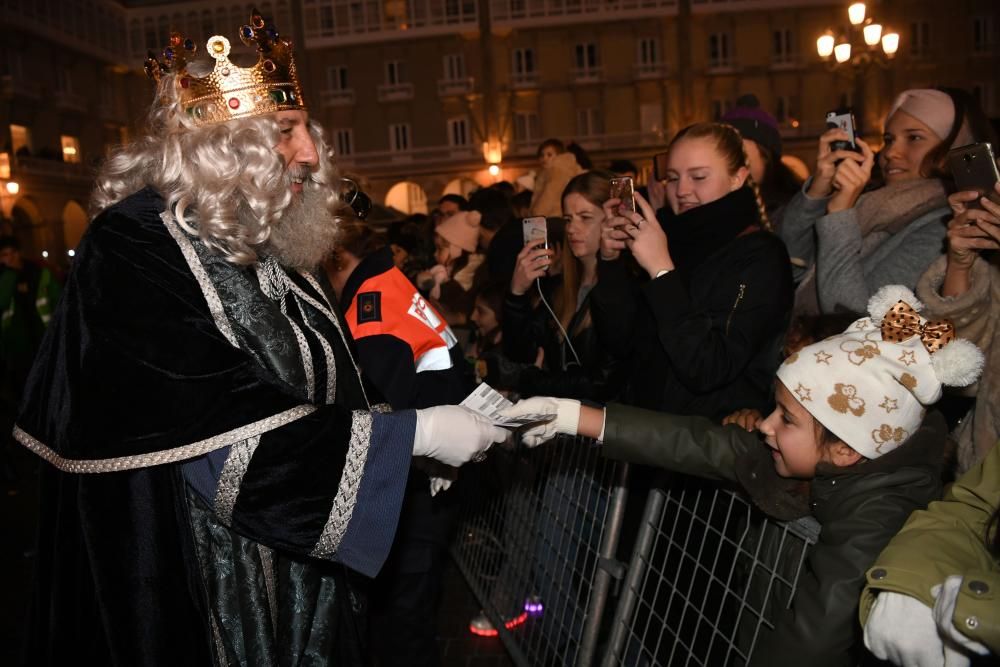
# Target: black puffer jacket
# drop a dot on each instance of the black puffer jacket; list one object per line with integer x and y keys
{"x": 859, "y": 508}
{"x": 706, "y": 338}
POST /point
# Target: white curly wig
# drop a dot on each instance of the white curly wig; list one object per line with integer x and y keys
{"x": 224, "y": 182}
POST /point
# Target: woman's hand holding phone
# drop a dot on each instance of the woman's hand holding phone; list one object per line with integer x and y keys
{"x": 613, "y": 235}
{"x": 647, "y": 240}
{"x": 827, "y": 160}
{"x": 532, "y": 262}
{"x": 850, "y": 177}
{"x": 973, "y": 229}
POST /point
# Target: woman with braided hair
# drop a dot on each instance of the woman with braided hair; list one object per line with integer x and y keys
{"x": 704, "y": 332}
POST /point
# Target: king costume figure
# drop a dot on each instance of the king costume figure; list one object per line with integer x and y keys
{"x": 220, "y": 481}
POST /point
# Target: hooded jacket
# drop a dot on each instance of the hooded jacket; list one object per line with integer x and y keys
{"x": 859, "y": 509}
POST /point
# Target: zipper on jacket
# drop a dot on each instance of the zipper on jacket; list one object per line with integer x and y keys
{"x": 739, "y": 297}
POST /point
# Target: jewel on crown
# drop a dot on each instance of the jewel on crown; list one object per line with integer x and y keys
{"x": 229, "y": 91}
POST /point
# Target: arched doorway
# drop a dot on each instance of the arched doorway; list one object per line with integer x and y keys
{"x": 74, "y": 220}
{"x": 460, "y": 186}
{"x": 408, "y": 197}
{"x": 29, "y": 228}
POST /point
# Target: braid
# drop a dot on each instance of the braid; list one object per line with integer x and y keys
{"x": 765, "y": 221}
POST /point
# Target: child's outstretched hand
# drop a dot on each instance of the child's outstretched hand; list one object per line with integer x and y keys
{"x": 746, "y": 418}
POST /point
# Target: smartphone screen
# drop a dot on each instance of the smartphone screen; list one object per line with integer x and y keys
{"x": 975, "y": 168}
{"x": 535, "y": 229}
{"x": 622, "y": 188}
{"x": 843, "y": 119}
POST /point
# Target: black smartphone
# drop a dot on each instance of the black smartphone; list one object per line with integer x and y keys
{"x": 975, "y": 168}
{"x": 843, "y": 119}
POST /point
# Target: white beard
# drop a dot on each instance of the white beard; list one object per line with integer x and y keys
{"x": 306, "y": 233}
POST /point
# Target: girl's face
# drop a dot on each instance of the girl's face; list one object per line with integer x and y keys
{"x": 697, "y": 174}
{"x": 444, "y": 251}
{"x": 583, "y": 225}
{"x": 907, "y": 142}
{"x": 484, "y": 318}
{"x": 546, "y": 155}
{"x": 790, "y": 432}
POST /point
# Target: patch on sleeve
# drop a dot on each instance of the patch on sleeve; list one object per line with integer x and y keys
{"x": 369, "y": 307}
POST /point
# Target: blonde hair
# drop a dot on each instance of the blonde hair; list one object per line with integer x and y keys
{"x": 224, "y": 182}
{"x": 729, "y": 143}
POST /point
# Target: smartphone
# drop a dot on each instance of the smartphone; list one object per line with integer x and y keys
{"x": 623, "y": 188}
{"x": 843, "y": 119}
{"x": 535, "y": 229}
{"x": 660, "y": 166}
{"x": 975, "y": 168}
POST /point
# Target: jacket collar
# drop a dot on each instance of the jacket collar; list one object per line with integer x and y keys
{"x": 373, "y": 265}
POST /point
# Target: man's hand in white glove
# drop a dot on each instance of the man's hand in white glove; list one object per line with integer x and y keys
{"x": 562, "y": 415}
{"x": 453, "y": 434}
{"x": 957, "y": 647}
{"x": 901, "y": 629}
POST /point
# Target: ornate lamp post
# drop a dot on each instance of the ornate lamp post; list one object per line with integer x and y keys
{"x": 855, "y": 52}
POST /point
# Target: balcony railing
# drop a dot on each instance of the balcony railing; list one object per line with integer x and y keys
{"x": 524, "y": 79}
{"x": 426, "y": 155}
{"x": 11, "y": 86}
{"x": 586, "y": 74}
{"x": 392, "y": 92}
{"x": 339, "y": 22}
{"x": 650, "y": 70}
{"x": 68, "y": 101}
{"x": 541, "y": 12}
{"x": 721, "y": 66}
{"x": 618, "y": 141}
{"x": 53, "y": 169}
{"x": 785, "y": 61}
{"x": 712, "y": 6}
{"x": 448, "y": 87}
{"x": 337, "y": 98}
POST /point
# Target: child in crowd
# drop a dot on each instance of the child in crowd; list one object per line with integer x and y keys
{"x": 850, "y": 426}
{"x": 558, "y": 166}
{"x": 486, "y": 352}
{"x": 451, "y": 284}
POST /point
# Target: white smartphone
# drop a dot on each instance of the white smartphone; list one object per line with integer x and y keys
{"x": 535, "y": 229}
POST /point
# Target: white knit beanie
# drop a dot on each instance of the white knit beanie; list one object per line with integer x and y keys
{"x": 871, "y": 384}
{"x": 461, "y": 229}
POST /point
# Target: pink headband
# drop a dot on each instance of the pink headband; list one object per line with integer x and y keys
{"x": 933, "y": 108}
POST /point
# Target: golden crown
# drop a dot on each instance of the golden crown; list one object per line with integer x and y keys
{"x": 229, "y": 91}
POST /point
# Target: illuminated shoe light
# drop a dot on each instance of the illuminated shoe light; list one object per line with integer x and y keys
{"x": 492, "y": 632}
{"x": 533, "y": 606}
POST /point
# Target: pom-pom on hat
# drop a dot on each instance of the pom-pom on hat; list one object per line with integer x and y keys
{"x": 461, "y": 229}
{"x": 871, "y": 384}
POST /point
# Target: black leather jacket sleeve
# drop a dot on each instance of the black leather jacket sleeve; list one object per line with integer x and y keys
{"x": 690, "y": 445}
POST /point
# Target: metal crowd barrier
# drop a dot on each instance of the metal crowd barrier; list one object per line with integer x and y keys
{"x": 538, "y": 541}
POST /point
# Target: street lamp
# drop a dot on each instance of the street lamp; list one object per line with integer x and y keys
{"x": 859, "y": 46}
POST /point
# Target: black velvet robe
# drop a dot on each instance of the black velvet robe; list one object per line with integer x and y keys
{"x": 163, "y": 365}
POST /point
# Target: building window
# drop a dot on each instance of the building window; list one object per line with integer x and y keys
{"x": 920, "y": 38}
{"x": 394, "y": 74}
{"x": 343, "y": 141}
{"x": 523, "y": 62}
{"x": 586, "y": 57}
{"x": 454, "y": 67}
{"x": 651, "y": 118}
{"x": 458, "y": 132}
{"x": 336, "y": 77}
{"x": 70, "y": 149}
{"x": 719, "y": 108}
{"x": 719, "y": 54}
{"x": 983, "y": 34}
{"x": 399, "y": 137}
{"x": 326, "y": 19}
{"x": 20, "y": 140}
{"x": 786, "y": 108}
{"x": 986, "y": 95}
{"x": 648, "y": 54}
{"x": 783, "y": 47}
{"x": 526, "y": 127}
{"x": 588, "y": 122}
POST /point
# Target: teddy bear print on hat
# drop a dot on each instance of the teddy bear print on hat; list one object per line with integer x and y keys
{"x": 871, "y": 385}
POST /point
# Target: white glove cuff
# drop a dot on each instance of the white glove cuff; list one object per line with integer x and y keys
{"x": 567, "y": 416}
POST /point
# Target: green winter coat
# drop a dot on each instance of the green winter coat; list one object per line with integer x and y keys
{"x": 947, "y": 539}
{"x": 859, "y": 509}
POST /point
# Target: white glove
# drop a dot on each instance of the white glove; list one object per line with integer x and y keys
{"x": 901, "y": 629}
{"x": 453, "y": 434}
{"x": 957, "y": 647}
{"x": 560, "y": 415}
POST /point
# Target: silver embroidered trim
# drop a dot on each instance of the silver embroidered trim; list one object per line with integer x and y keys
{"x": 232, "y": 476}
{"x": 331, "y": 363}
{"x": 300, "y": 293}
{"x": 350, "y": 482}
{"x": 306, "y": 354}
{"x": 272, "y": 278}
{"x": 267, "y": 564}
{"x": 207, "y": 288}
{"x": 87, "y": 466}
{"x": 220, "y": 645}
{"x": 382, "y": 408}
{"x": 311, "y": 279}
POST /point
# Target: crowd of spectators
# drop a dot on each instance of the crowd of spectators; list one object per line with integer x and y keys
{"x": 732, "y": 261}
